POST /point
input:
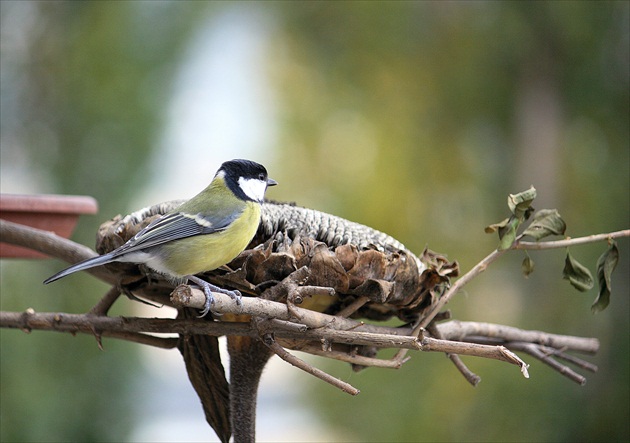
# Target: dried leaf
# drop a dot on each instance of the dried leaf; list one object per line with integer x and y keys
{"x": 491, "y": 229}
{"x": 606, "y": 264}
{"x": 527, "y": 266}
{"x": 323, "y": 264}
{"x": 347, "y": 255}
{"x": 376, "y": 290}
{"x": 546, "y": 222}
{"x": 577, "y": 274}
{"x": 520, "y": 204}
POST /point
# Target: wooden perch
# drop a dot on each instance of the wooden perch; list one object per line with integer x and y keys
{"x": 299, "y": 325}
{"x": 462, "y": 338}
{"x": 311, "y": 282}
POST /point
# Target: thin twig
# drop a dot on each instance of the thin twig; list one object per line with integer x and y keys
{"x": 348, "y": 357}
{"x": 301, "y": 364}
{"x": 461, "y": 330}
{"x": 463, "y": 280}
{"x": 312, "y": 291}
{"x": 583, "y": 364}
{"x": 469, "y": 375}
{"x": 464, "y": 348}
{"x": 353, "y": 307}
{"x": 547, "y": 350}
{"x": 104, "y": 304}
{"x": 571, "y": 241}
{"x": 144, "y": 339}
{"x": 535, "y": 351}
{"x": 544, "y": 354}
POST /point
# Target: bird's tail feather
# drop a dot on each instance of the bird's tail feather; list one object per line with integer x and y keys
{"x": 81, "y": 266}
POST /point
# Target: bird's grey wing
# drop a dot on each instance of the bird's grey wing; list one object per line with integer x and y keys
{"x": 175, "y": 226}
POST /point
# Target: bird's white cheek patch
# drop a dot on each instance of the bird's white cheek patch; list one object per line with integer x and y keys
{"x": 253, "y": 188}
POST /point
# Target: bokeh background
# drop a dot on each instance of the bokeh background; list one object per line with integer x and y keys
{"x": 416, "y": 118}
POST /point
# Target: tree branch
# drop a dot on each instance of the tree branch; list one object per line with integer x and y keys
{"x": 306, "y": 330}
{"x": 336, "y": 330}
{"x": 494, "y": 255}
{"x": 571, "y": 241}
{"x": 51, "y": 244}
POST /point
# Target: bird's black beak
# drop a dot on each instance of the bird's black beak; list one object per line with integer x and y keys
{"x": 271, "y": 182}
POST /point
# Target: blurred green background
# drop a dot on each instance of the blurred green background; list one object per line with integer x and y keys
{"x": 416, "y": 118}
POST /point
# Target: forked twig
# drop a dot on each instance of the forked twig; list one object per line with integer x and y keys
{"x": 301, "y": 364}
{"x": 535, "y": 351}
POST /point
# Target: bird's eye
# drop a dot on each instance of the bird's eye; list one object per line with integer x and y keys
{"x": 261, "y": 176}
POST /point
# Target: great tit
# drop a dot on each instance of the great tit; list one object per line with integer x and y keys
{"x": 204, "y": 233}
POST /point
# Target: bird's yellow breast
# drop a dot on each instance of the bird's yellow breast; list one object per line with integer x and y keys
{"x": 203, "y": 253}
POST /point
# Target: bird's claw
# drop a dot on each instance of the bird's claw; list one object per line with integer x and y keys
{"x": 234, "y": 295}
{"x": 207, "y": 290}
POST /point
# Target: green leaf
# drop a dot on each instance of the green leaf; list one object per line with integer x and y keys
{"x": 606, "y": 264}
{"x": 527, "y": 266}
{"x": 546, "y": 222}
{"x": 506, "y": 230}
{"x": 520, "y": 204}
{"x": 577, "y": 274}
{"x": 507, "y": 234}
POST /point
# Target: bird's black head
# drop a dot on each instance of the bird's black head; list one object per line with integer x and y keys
{"x": 248, "y": 180}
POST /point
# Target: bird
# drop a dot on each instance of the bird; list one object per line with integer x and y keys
{"x": 203, "y": 234}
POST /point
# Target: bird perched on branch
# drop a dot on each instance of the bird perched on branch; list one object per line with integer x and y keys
{"x": 203, "y": 234}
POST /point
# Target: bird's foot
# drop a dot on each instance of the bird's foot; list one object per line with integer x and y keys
{"x": 208, "y": 288}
